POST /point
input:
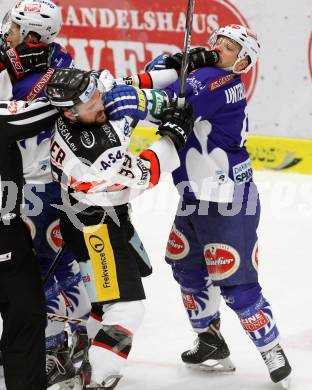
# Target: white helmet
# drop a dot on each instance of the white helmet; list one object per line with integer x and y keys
{"x": 40, "y": 16}
{"x": 246, "y": 38}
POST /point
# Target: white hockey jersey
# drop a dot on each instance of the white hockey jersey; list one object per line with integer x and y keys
{"x": 95, "y": 166}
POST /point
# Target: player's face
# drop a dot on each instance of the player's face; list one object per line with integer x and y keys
{"x": 92, "y": 112}
{"x": 228, "y": 51}
{"x": 14, "y": 37}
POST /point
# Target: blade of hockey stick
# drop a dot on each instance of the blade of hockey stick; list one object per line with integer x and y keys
{"x": 186, "y": 51}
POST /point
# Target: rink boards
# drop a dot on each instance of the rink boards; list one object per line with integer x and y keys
{"x": 267, "y": 153}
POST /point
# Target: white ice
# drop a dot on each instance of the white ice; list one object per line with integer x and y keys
{"x": 285, "y": 274}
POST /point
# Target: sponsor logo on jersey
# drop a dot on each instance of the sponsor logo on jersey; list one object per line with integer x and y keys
{"x": 177, "y": 246}
{"x": 235, "y": 94}
{"x": 254, "y": 257}
{"x": 189, "y": 301}
{"x": 126, "y": 129}
{"x": 54, "y": 236}
{"x": 255, "y": 322}
{"x": 242, "y": 172}
{"x": 110, "y": 134}
{"x": 65, "y": 134}
{"x": 13, "y": 107}
{"x": 57, "y": 154}
{"x": 144, "y": 172}
{"x": 30, "y": 225}
{"x": 97, "y": 243}
{"x": 196, "y": 85}
{"x": 87, "y": 139}
{"x": 220, "y": 82}
{"x": 102, "y": 263}
{"x": 39, "y": 85}
{"x": 44, "y": 164}
{"x": 222, "y": 260}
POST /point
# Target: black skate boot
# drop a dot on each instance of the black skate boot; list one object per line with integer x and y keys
{"x": 211, "y": 352}
{"x": 80, "y": 343}
{"x": 278, "y": 365}
{"x": 61, "y": 374}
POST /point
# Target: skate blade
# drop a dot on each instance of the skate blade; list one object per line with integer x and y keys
{"x": 68, "y": 384}
{"x": 285, "y": 383}
{"x": 222, "y": 366}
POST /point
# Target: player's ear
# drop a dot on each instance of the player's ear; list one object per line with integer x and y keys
{"x": 242, "y": 64}
{"x": 69, "y": 115}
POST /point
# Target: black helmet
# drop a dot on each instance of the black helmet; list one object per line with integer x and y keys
{"x": 68, "y": 87}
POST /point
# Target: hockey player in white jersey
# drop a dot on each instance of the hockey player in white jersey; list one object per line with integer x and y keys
{"x": 90, "y": 157}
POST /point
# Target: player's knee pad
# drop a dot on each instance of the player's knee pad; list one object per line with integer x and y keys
{"x": 242, "y": 296}
{"x": 191, "y": 278}
{"x": 128, "y": 315}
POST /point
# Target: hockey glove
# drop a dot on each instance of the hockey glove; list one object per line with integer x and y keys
{"x": 158, "y": 63}
{"x": 199, "y": 57}
{"x": 25, "y": 58}
{"x": 124, "y": 100}
{"x": 177, "y": 124}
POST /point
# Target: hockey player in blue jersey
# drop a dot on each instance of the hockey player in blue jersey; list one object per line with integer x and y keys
{"x": 35, "y": 22}
{"x": 213, "y": 246}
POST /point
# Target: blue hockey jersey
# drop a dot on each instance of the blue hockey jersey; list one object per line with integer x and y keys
{"x": 215, "y": 164}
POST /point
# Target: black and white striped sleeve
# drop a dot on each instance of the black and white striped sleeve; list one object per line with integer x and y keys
{"x": 18, "y": 120}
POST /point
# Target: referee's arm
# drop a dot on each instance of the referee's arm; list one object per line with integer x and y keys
{"x": 19, "y": 120}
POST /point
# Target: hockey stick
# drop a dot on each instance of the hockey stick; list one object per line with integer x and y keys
{"x": 70, "y": 320}
{"x": 51, "y": 270}
{"x": 186, "y": 52}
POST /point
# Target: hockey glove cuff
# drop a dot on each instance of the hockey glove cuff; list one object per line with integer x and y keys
{"x": 199, "y": 57}
{"x": 25, "y": 58}
{"x": 177, "y": 124}
{"x": 125, "y": 100}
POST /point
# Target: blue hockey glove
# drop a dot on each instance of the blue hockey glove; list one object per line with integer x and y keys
{"x": 158, "y": 63}
{"x": 125, "y": 100}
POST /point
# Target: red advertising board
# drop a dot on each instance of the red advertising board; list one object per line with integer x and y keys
{"x": 310, "y": 55}
{"x": 123, "y": 35}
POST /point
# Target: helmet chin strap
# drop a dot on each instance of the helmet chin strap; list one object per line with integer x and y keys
{"x": 231, "y": 68}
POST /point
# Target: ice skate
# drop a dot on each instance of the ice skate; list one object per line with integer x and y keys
{"x": 278, "y": 366}
{"x": 85, "y": 372}
{"x": 109, "y": 384}
{"x": 210, "y": 353}
{"x": 61, "y": 374}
